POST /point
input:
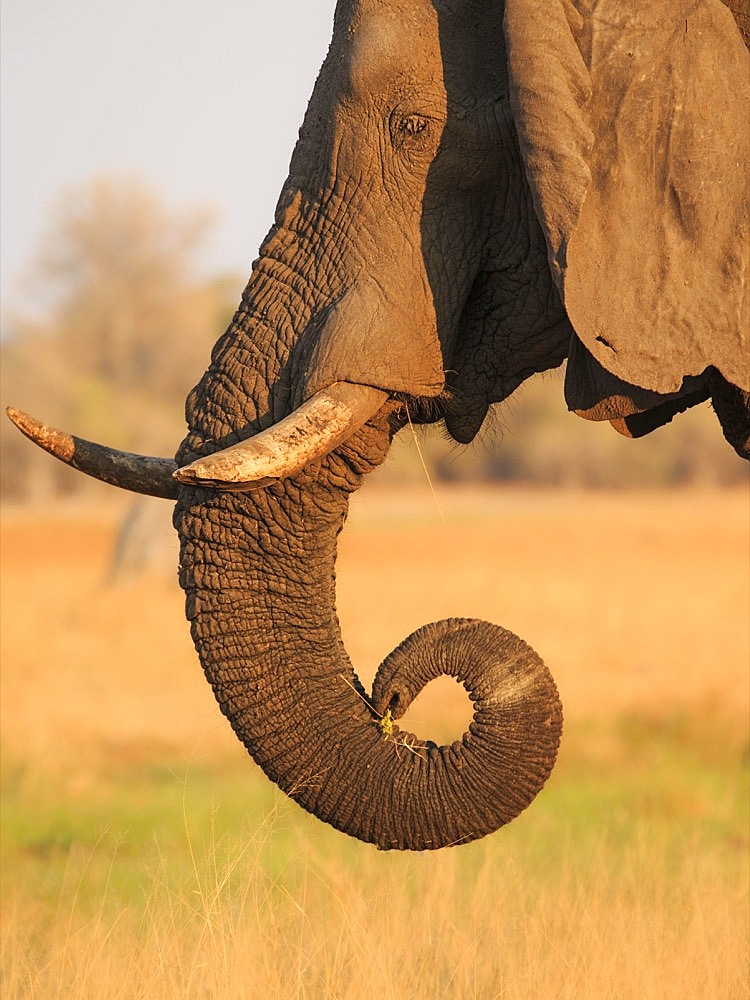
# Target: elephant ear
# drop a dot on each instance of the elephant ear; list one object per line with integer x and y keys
{"x": 632, "y": 123}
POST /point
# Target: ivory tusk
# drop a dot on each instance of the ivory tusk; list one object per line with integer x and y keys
{"x": 137, "y": 473}
{"x": 313, "y": 430}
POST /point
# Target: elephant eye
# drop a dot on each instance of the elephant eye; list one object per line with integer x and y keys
{"x": 408, "y": 128}
{"x": 413, "y": 125}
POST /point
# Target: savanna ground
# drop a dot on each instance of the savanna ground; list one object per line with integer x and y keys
{"x": 144, "y": 856}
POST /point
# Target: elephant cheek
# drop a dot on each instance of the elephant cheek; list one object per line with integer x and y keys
{"x": 368, "y": 340}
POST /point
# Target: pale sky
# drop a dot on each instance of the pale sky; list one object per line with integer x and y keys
{"x": 200, "y": 101}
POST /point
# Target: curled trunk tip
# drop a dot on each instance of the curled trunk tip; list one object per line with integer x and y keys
{"x": 491, "y": 775}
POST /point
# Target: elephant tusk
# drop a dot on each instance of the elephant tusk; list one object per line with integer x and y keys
{"x": 313, "y": 430}
{"x": 137, "y": 473}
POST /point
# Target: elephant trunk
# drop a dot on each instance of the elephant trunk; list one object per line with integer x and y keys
{"x": 259, "y": 573}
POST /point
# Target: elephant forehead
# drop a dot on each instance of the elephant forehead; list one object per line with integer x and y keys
{"x": 390, "y": 41}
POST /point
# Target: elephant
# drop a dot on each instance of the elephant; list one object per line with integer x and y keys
{"x": 480, "y": 191}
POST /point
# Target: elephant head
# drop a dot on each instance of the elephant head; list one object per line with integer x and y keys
{"x": 478, "y": 192}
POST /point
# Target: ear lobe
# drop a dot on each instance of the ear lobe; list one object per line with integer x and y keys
{"x": 632, "y": 123}
{"x": 596, "y": 394}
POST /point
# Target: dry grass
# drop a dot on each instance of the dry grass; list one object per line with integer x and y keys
{"x": 399, "y": 928}
{"x": 627, "y": 879}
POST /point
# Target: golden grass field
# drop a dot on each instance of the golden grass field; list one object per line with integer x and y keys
{"x": 144, "y": 855}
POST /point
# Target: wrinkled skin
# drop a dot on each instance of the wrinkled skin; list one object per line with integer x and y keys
{"x": 478, "y": 192}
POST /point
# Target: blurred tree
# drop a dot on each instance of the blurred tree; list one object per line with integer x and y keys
{"x": 121, "y": 265}
{"x": 128, "y": 331}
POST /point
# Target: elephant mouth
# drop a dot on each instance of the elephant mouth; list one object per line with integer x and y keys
{"x": 316, "y": 428}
